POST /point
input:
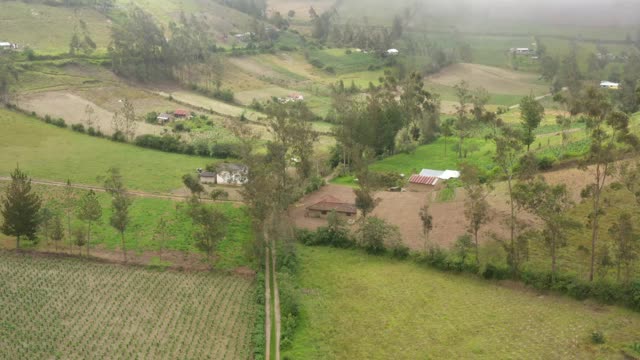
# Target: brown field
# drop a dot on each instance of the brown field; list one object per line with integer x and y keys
{"x": 71, "y": 108}
{"x": 495, "y": 80}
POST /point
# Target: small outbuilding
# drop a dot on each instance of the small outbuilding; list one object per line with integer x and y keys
{"x": 4, "y": 45}
{"x": 163, "y": 118}
{"x": 181, "y": 113}
{"x": 431, "y": 180}
{"x": 207, "y": 177}
{"x": 393, "y": 52}
{"x": 609, "y": 85}
{"x": 331, "y": 204}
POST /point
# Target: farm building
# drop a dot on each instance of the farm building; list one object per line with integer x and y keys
{"x": 393, "y": 52}
{"x": 231, "y": 174}
{"x": 522, "y": 51}
{"x": 163, "y": 118}
{"x": 207, "y": 177}
{"x": 4, "y": 45}
{"x": 431, "y": 180}
{"x": 331, "y": 204}
{"x": 181, "y": 113}
{"x": 609, "y": 85}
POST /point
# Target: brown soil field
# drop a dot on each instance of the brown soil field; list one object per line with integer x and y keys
{"x": 71, "y": 107}
{"x": 495, "y": 80}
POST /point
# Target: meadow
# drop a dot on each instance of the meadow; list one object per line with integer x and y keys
{"x": 49, "y": 27}
{"x": 357, "y": 306}
{"x": 69, "y": 308}
{"x": 51, "y": 153}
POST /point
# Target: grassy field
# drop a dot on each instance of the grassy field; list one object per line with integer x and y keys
{"x": 47, "y": 152}
{"x": 140, "y": 236}
{"x": 48, "y": 29}
{"x": 72, "y": 309}
{"x": 356, "y": 306}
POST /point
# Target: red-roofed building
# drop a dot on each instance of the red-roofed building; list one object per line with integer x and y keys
{"x": 181, "y": 113}
{"x": 329, "y": 204}
{"x": 420, "y": 183}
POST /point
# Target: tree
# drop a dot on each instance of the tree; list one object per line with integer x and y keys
{"x": 20, "y": 207}
{"x": 8, "y": 77}
{"x": 89, "y": 116}
{"x": 211, "y": 226}
{"x": 446, "y": 129}
{"x": 606, "y": 128}
{"x": 627, "y": 243}
{"x": 507, "y": 159}
{"x": 565, "y": 124}
{"x": 548, "y": 67}
{"x": 463, "y": 125}
{"x": 550, "y": 204}
{"x": 128, "y": 114}
{"x": 69, "y": 200}
{"x": 462, "y": 246}
{"x": 531, "y": 114}
{"x": 365, "y": 201}
{"x": 79, "y": 238}
{"x": 427, "y": 223}
{"x": 57, "y": 230}
{"x": 161, "y": 234}
{"x": 375, "y": 234}
{"x": 89, "y": 211}
{"x": 45, "y": 216}
{"x": 476, "y": 206}
{"x": 193, "y": 184}
{"x": 120, "y": 203}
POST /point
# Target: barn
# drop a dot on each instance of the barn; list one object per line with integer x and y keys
{"x": 331, "y": 204}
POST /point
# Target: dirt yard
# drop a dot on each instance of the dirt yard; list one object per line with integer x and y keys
{"x": 403, "y": 210}
{"x": 495, "y": 80}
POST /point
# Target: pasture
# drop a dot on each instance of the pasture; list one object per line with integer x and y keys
{"x": 356, "y": 306}
{"x": 49, "y": 27}
{"x": 47, "y": 152}
{"x": 68, "y": 308}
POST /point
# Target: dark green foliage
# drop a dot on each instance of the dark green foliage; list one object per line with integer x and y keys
{"x": 597, "y": 337}
{"x": 258, "y": 338}
{"x": 20, "y": 208}
{"x": 78, "y": 128}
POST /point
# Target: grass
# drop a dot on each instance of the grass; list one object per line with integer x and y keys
{"x": 145, "y": 214}
{"x": 356, "y": 306}
{"x": 343, "y": 63}
{"x": 47, "y": 152}
{"x": 48, "y": 29}
{"x": 77, "y": 309}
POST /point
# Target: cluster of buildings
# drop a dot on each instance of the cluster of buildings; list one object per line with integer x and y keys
{"x": 291, "y": 98}
{"x": 225, "y": 174}
{"x": 177, "y": 114}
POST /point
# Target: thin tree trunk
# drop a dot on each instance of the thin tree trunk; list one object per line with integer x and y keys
{"x": 512, "y": 228}
{"x": 124, "y": 249}
{"x": 88, "y": 238}
{"x": 594, "y": 223}
{"x": 553, "y": 260}
{"x": 475, "y": 238}
{"x": 18, "y": 242}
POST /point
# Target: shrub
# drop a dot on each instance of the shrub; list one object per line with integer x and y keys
{"x": 225, "y": 150}
{"x": 492, "y": 271}
{"x": 315, "y": 183}
{"x": 330, "y": 69}
{"x": 59, "y": 123}
{"x": 78, "y": 128}
{"x": 597, "y": 337}
{"x": 400, "y": 251}
{"x": 634, "y": 295}
{"x": 546, "y": 162}
{"x": 47, "y": 119}
{"x": 118, "y": 136}
{"x": 317, "y": 63}
{"x": 151, "y": 118}
{"x": 91, "y": 131}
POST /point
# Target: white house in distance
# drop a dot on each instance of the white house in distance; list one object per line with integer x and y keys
{"x": 441, "y": 174}
{"x": 431, "y": 180}
{"x": 226, "y": 174}
{"x": 393, "y": 52}
{"x": 4, "y": 45}
{"x": 609, "y": 85}
{"x": 522, "y": 51}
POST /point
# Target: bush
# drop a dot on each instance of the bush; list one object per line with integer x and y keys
{"x": 546, "y": 162}
{"x": 597, "y": 337}
{"x": 151, "y": 118}
{"x": 47, "y": 119}
{"x": 225, "y": 150}
{"x": 315, "y": 183}
{"x": 91, "y": 131}
{"x": 317, "y": 63}
{"x": 59, "y": 123}
{"x": 400, "y": 251}
{"x": 226, "y": 95}
{"x": 118, "y": 136}
{"x": 330, "y": 69}
{"x": 492, "y": 271}
{"x": 78, "y": 128}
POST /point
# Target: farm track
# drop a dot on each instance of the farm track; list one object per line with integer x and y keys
{"x": 136, "y": 193}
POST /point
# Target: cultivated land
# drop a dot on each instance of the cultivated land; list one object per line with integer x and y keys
{"x": 72, "y": 309}
{"x": 57, "y": 154}
{"x": 356, "y": 306}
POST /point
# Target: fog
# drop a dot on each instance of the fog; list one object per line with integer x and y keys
{"x": 575, "y": 12}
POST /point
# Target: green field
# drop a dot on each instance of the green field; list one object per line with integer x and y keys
{"x": 72, "y": 309}
{"x": 356, "y": 306}
{"x": 47, "y": 152}
{"x": 48, "y": 29}
{"x": 145, "y": 214}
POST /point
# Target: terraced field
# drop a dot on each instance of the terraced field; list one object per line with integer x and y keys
{"x": 72, "y": 309}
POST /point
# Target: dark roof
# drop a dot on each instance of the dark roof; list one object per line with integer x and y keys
{"x": 207, "y": 174}
{"x": 423, "y": 180}
{"x": 332, "y": 204}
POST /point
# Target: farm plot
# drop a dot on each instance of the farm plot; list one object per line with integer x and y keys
{"x": 356, "y": 306}
{"x": 495, "y": 80}
{"x": 72, "y": 309}
{"x": 47, "y": 152}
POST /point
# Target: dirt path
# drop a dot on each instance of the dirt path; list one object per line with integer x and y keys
{"x": 267, "y": 306}
{"x": 136, "y": 193}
